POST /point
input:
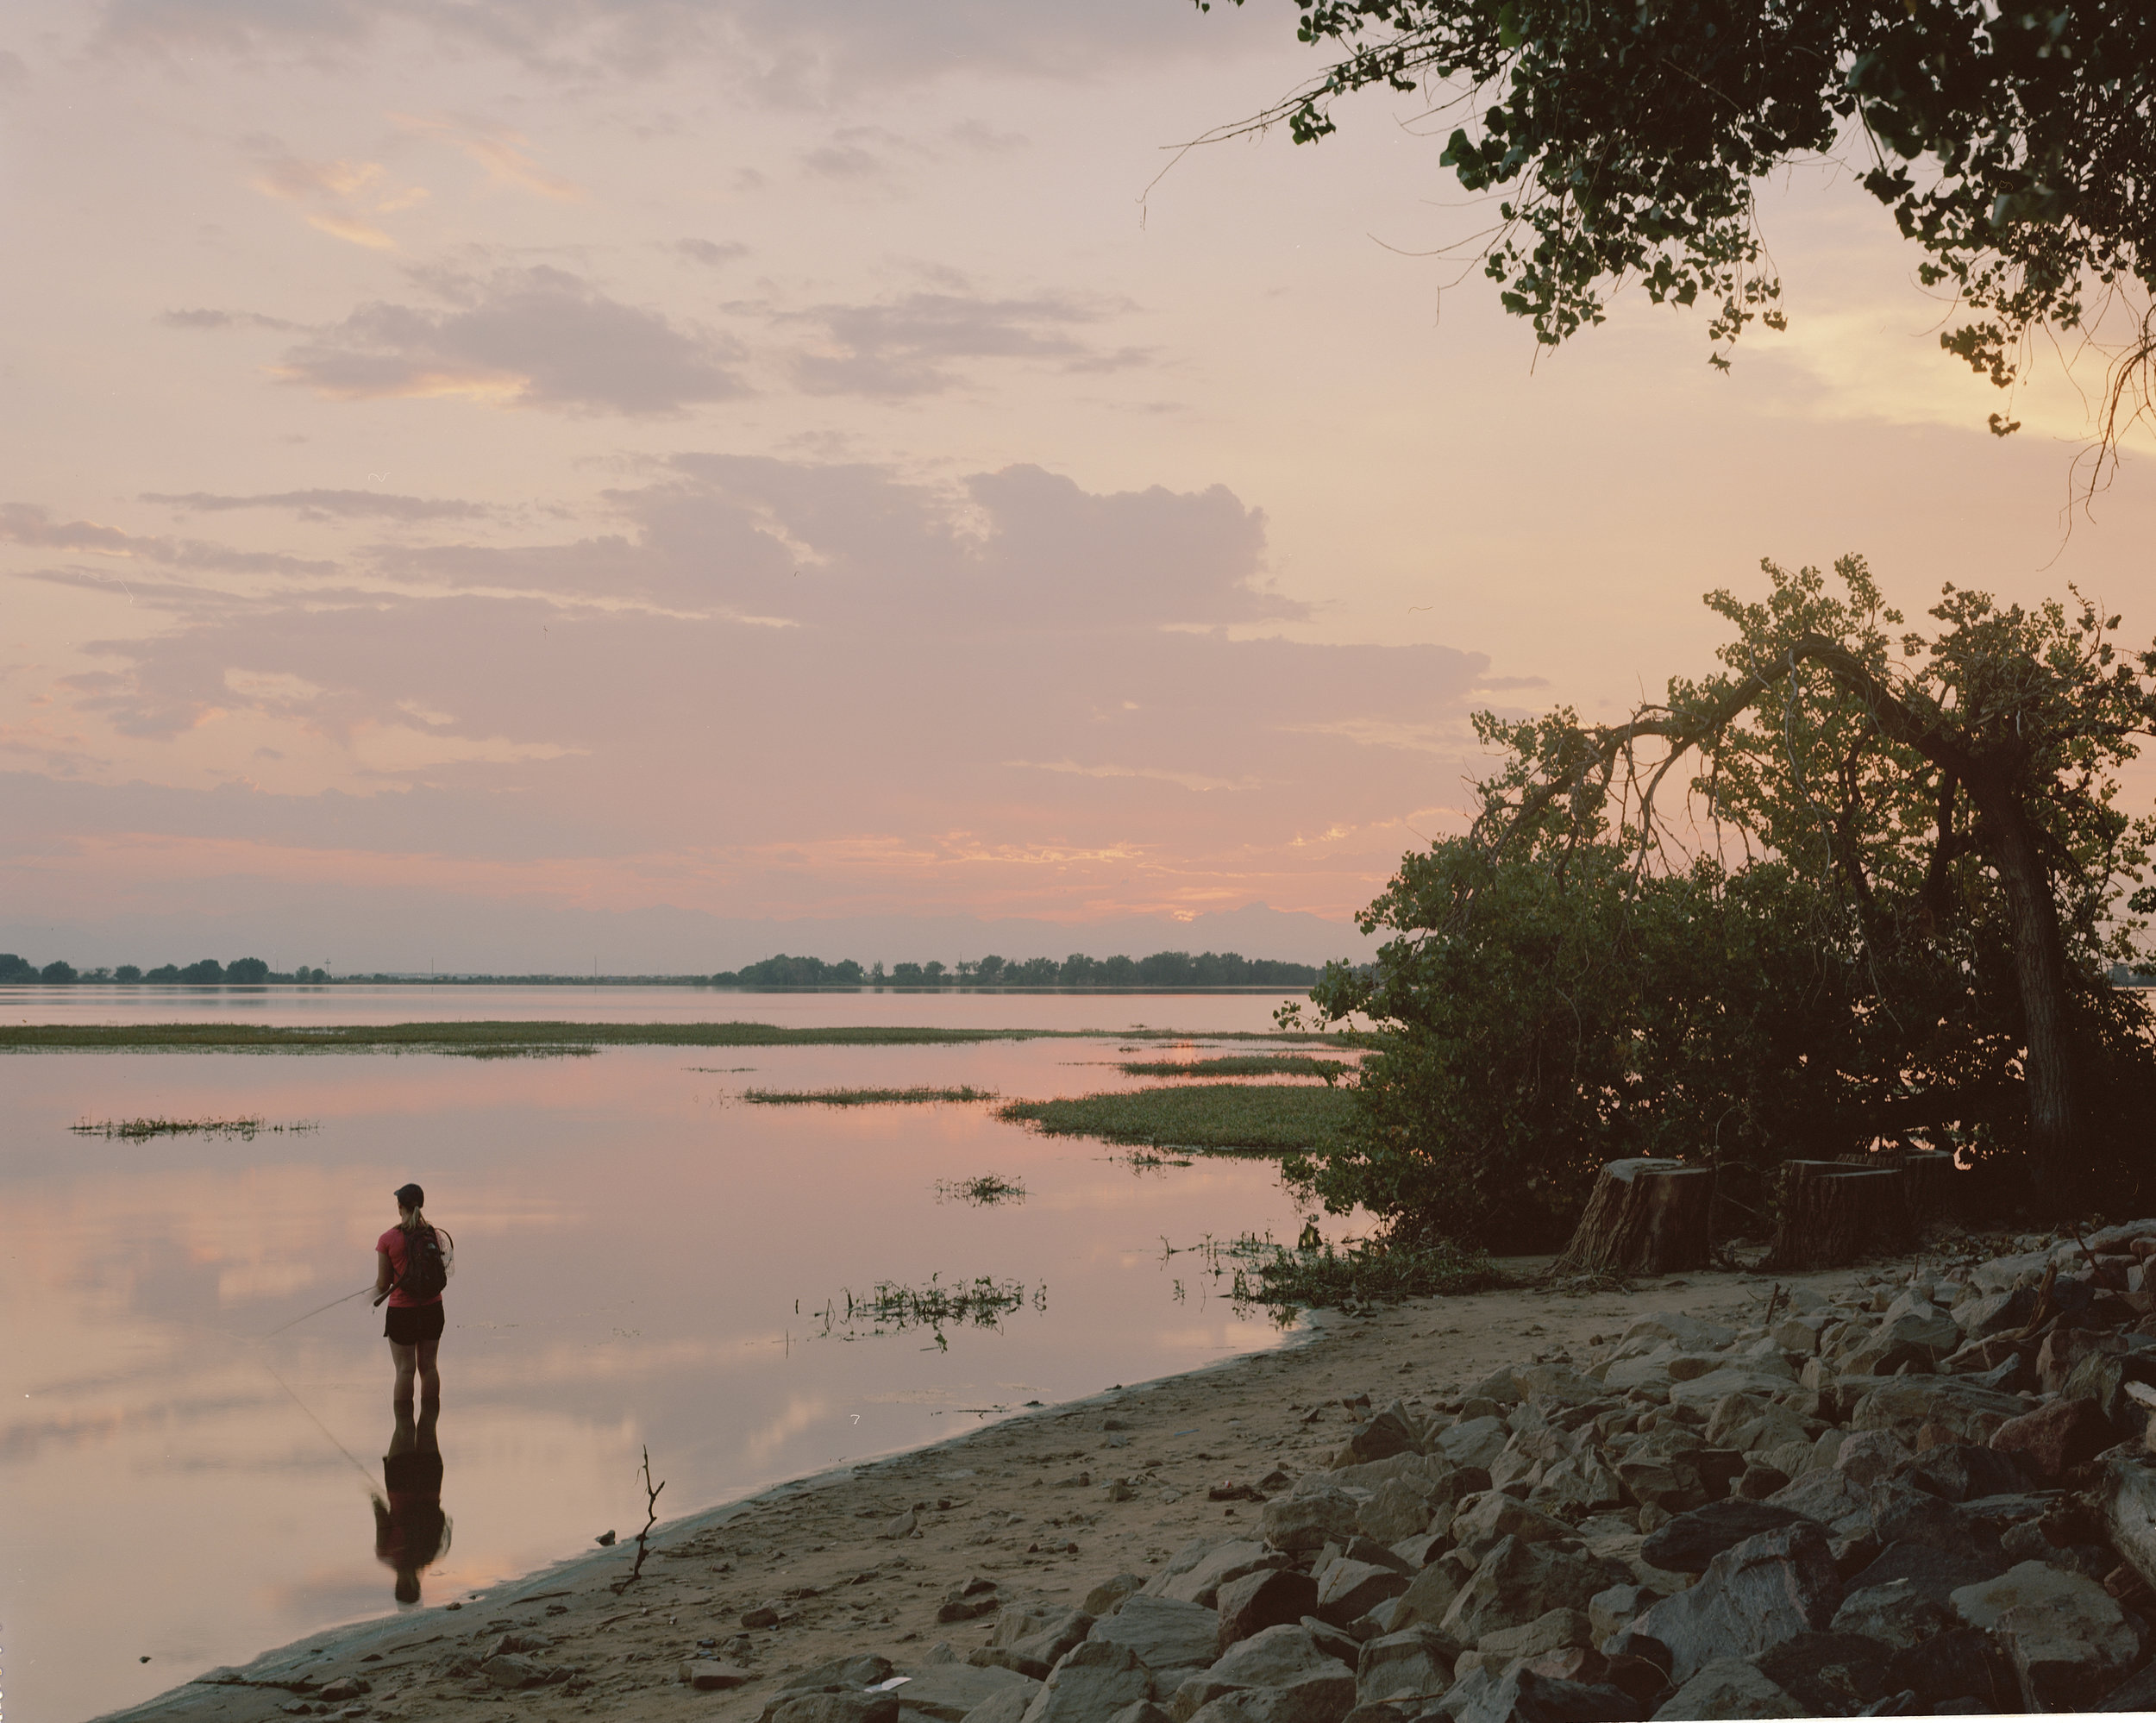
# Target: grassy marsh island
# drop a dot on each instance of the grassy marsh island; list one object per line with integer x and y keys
{"x": 1247, "y": 1117}
{"x": 1238, "y": 1065}
{"x": 864, "y": 1097}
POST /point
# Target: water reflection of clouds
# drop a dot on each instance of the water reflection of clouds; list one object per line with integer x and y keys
{"x": 801, "y": 1414}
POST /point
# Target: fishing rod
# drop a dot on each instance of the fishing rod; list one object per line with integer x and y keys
{"x": 364, "y": 1473}
{"x": 332, "y": 1305}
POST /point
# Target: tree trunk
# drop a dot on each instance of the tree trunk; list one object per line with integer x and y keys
{"x": 1832, "y": 1214}
{"x": 1645, "y": 1216}
{"x": 2040, "y": 971}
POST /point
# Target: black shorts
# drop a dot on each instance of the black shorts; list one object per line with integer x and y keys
{"x": 410, "y": 1325}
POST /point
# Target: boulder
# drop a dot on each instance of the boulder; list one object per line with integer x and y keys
{"x": 1518, "y": 1581}
{"x": 1960, "y": 1664}
{"x": 946, "y": 1692}
{"x": 2054, "y": 1439}
{"x": 1694, "y": 1539}
{"x": 1998, "y": 1312}
{"x": 1913, "y": 1332}
{"x": 1161, "y": 1632}
{"x": 1769, "y": 1589}
{"x": 1831, "y": 1674}
{"x": 2136, "y": 1693}
{"x": 841, "y": 1674}
{"x": 1324, "y": 1698}
{"x": 2027, "y": 1584}
{"x": 1197, "y": 1577}
{"x": 1300, "y": 1524}
{"x": 1093, "y": 1682}
{"x": 854, "y": 1707}
{"x": 1831, "y": 1498}
{"x": 1269, "y": 1598}
{"x": 1557, "y": 1385}
{"x": 1897, "y": 1614}
{"x": 1476, "y": 1441}
{"x": 1416, "y": 1665}
{"x": 1006, "y": 1707}
{"x": 708, "y": 1674}
{"x": 1429, "y": 1596}
{"x": 1729, "y": 1686}
{"x": 1933, "y": 1573}
{"x": 1556, "y": 1630}
{"x": 1424, "y": 1473}
{"x": 1348, "y": 1590}
{"x": 1274, "y": 1658}
{"x": 1396, "y": 1509}
{"x": 1904, "y": 1404}
{"x": 1866, "y": 1456}
{"x": 1958, "y": 1471}
{"x": 1389, "y": 1432}
{"x": 1672, "y": 1328}
{"x": 1903, "y": 1515}
{"x": 1106, "y": 1598}
{"x": 1032, "y": 1643}
{"x": 1618, "y": 1605}
{"x": 1480, "y": 1520}
{"x": 513, "y": 1669}
{"x": 2069, "y": 1648}
{"x": 1751, "y": 1377}
{"x": 1522, "y": 1696}
{"x": 1582, "y": 1481}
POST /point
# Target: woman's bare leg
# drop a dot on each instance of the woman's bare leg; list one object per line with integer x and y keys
{"x": 429, "y": 1378}
{"x": 407, "y": 1359}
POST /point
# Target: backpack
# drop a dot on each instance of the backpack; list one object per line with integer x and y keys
{"x": 426, "y": 1265}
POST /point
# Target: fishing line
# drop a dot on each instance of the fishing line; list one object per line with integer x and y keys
{"x": 332, "y": 1305}
{"x": 363, "y": 1471}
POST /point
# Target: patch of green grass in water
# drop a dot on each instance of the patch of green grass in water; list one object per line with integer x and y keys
{"x": 1239, "y": 1065}
{"x": 863, "y": 1097}
{"x": 139, "y": 1129}
{"x": 1248, "y": 1117}
{"x": 1319, "y": 1277}
{"x": 984, "y": 1191}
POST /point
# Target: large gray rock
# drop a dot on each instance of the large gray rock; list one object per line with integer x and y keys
{"x": 1393, "y": 1430}
{"x": 1161, "y": 1632}
{"x": 1897, "y": 1614}
{"x": 1554, "y": 1629}
{"x": 1913, "y": 1331}
{"x": 1867, "y": 1456}
{"x": 1032, "y": 1642}
{"x": 1998, "y": 1312}
{"x": 1755, "y": 1376}
{"x": 1767, "y": 1589}
{"x": 1429, "y": 1595}
{"x": 2068, "y": 1639}
{"x": 1198, "y": 1571}
{"x": 1301, "y": 1523}
{"x": 1480, "y": 1521}
{"x": 1349, "y": 1589}
{"x": 1324, "y": 1698}
{"x": 1006, "y": 1707}
{"x": 1416, "y": 1665}
{"x": 1904, "y": 1404}
{"x": 1831, "y": 1499}
{"x": 1269, "y": 1598}
{"x": 1693, "y": 1539}
{"x": 1521, "y": 1695}
{"x": 1582, "y": 1481}
{"x": 1937, "y": 1573}
{"x": 1830, "y": 1675}
{"x": 1729, "y": 1686}
{"x": 1518, "y": 1581}
{"x": 1396, "y": 1509}
{"x": 946, "y": 1692}
{"x": 1475, "y": 1443}
{"x": 834, "y": 1708}
{"x": 1090, "y": 1685}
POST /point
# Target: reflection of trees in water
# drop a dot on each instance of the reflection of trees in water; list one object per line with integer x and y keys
{"x": 412, "y": 1532}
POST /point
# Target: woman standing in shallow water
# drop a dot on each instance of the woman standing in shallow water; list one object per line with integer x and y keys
{"x": 412, "y": 1265}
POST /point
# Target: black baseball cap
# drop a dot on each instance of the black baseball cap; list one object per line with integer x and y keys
{"x": 409, "y": 1196}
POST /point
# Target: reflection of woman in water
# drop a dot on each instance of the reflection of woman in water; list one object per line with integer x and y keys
{"x": 411, "y": 1530}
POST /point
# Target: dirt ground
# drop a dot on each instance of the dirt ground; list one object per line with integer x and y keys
{"x": 1045, "y": 1504}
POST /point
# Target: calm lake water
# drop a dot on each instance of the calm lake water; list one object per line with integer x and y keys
{"x": 641, "y": 1257}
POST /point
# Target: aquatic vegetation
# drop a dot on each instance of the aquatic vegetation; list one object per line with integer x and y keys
{"x": 863, "y": 1097}
{"x": 555, "y": 1052}
{"x": 1239, "y": 1065}
{"x": 1313, "y": 1275}
{"x": 138, "y": 1130}
{"x": 984, "y": 1191}
{"x": 890, "y": 1308}
{"x": 1273, "y": 1120}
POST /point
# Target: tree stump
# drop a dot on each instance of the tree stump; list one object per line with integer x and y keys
{"x": 1832, "y": 1214}
{"x": 1645, "y": 1216}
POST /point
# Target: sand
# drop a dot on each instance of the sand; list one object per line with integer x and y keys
{"x": 1029, "y": 1503}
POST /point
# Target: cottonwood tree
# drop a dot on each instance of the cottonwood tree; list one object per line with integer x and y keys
{"x": 2016, "y": 146}
{"x": 1864, "y": 879}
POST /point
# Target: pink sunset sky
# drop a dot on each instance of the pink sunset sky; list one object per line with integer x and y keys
{"x": 655, "y": 482}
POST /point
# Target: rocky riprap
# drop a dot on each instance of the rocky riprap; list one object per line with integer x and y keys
{"x": 1934, "y": 1495}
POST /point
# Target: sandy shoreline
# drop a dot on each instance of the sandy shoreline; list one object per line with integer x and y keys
{"x": 1031, "y": 1503}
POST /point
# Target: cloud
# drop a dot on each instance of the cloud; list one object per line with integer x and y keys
{"x": 322, "y": 505}
{"x": 205, "y": 317}
{"x": 499, "y": 150}
{"x": 26, "y": 524}
{"x": 710, "y": 253}
{"x": 341, "y": 198}
{"x": 531, "y": 337}
{"x": 796, "y": 54}
{"x": 908, "y": 346}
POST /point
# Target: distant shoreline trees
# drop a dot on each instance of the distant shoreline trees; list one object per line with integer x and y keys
{"x": 1161, "y": 969}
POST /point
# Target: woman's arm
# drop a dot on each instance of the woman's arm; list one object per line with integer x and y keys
{"x": 385, "y": 1277}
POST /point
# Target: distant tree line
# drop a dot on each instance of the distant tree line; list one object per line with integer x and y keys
{"x": 241, "y": 972}
{"x": 1161, "y": 969}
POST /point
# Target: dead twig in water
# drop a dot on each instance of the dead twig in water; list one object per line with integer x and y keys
{"x": 651, "y": 1518}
